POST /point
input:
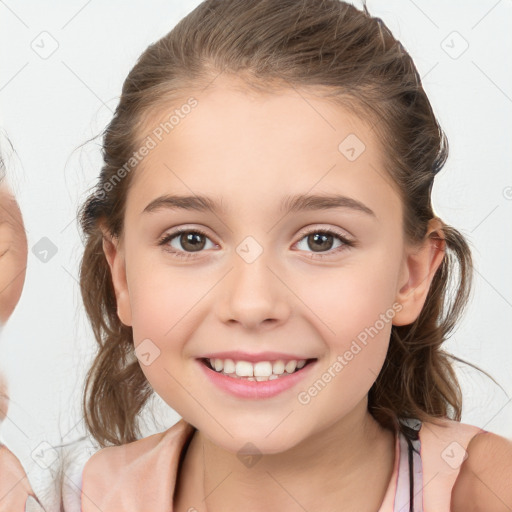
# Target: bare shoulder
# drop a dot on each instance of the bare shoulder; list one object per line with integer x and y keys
{"x": 485, "y": 478}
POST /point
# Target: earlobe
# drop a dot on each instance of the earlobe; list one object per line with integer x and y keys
{"x": 420, "y": 266}
{"x": 114, "y": 255}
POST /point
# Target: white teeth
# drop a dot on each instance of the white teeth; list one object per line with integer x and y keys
{"x": 263, "y": 369}
{"x": 278, "y": 368}
{"x": 229, "y": 366}
{"x": 259, "y": 379}
{"x": 291, "y": 366}
{"x": 244, "y": 369}
{"x": 260, "y": 371}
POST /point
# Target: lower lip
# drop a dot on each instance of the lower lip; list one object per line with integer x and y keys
{"x": 253, "y": 389}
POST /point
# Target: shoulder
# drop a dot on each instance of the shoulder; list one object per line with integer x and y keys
{"x": 485, "y": 478}
{"x": 138, "y": 451}
{"x": 131, "y": 473}
{"x": 110, "y": 460}
{"x": 443, "y": 445}
{"x": 445, "y": 442}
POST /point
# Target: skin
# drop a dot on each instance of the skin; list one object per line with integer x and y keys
{"x": 13, "y": 263}
{"x": 252, "y": 150}
{"x": 484, "y": 483}
{"x": 4, "y": 398}
{"x": 13, "y": 253}
{"x": 14, "y": 484}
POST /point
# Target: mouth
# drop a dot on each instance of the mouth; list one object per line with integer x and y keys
{"x": 261, "y": 380}
{"x": 278, "y": 372}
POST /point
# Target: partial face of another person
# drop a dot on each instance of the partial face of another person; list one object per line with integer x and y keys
{"x": 13, "y": 263}
{"x": 13, "y": 253}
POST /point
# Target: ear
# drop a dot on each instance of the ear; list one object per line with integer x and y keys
{"x": 114, "y": 254}
{"x": 419, "y": 267}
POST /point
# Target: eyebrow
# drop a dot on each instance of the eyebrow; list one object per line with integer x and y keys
{"x": 290, "y": 204}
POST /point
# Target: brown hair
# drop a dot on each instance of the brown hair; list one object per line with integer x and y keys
{"x": 350, "y": 57}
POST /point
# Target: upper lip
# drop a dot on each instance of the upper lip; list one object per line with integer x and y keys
{"x": 254, "y": 358}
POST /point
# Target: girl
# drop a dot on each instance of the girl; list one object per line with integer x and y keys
{"x": 261, "y": 251}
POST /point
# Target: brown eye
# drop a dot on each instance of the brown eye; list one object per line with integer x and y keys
{"x": 192, "y": 241}
{"x": 322, "y": 241}
{"x": 184, "y": 243}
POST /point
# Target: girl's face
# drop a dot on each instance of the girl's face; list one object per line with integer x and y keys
{"x": 264, "y": 276}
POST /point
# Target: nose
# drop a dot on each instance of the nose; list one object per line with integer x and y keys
{"x": 253, "y": 294}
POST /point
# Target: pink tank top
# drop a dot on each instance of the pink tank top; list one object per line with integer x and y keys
{"x": 141, "y": 476}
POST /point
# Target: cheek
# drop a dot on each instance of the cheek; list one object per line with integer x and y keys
{"x": 162, "y": 304}
{"x": 349, "y": 299}
{"x": 159, "y": 324}
{"x": 352, "y": 308}
{"x": 356, "y": 343}
{"x": 161, "y": 297}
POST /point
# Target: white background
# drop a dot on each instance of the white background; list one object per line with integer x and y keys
{"x": 51, "y": 107}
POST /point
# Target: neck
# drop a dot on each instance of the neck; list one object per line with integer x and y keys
{"x": 349, "y": 462}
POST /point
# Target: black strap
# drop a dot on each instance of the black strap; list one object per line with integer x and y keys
{"x": 411, "y": 428}
{"x": 411, "y": 478}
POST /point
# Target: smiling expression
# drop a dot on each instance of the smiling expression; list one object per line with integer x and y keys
{"x": 261, "y": 267}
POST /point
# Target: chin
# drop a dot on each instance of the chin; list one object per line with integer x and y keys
{"x": 253, "y": 440}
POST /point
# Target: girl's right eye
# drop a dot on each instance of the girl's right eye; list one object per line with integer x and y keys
{"x": 189, "y": 239}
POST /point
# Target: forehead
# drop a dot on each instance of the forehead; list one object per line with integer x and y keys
{"x": 251, "y": 150}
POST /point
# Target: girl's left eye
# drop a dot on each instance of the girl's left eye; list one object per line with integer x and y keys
{"x": 322, "y": 237}
{"x": 194, "y": 239}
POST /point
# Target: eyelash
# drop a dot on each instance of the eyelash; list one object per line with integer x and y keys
{"x": 186, "y": 255}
